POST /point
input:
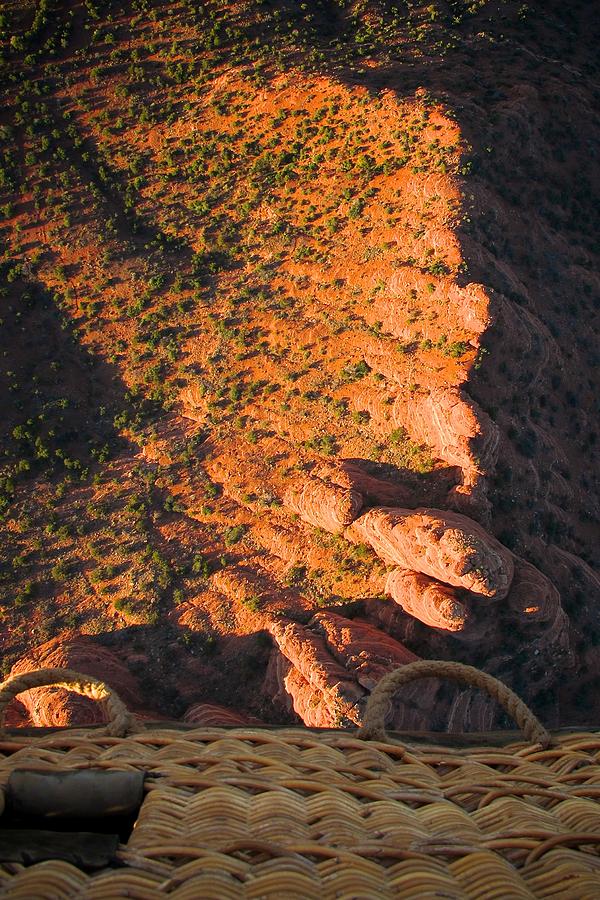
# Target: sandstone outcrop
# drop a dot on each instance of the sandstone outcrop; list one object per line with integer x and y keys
{"x": 533, "y": 605}
{"x": 444, "y": 545}
{"x": 362, "y": 649}
{"x": 432, "y": 603}
{"x": 471, "y": 299}
{"x": 323, "y": 504}
{"x": 316, "y": 670}
{"x": 369, "y": 654}
{"x": 214, "y": 715}
{"x": 532, "y": 598}
{"x": 453, "y": 425}
{"x": 472, "y": 711}
{"x": 281, "y": 540}
{"x": 287, "y": 689}
{"x": 49, "y": 706}
{"x": 193, "y": 403}
{"x": 308, "y": 654}
{"x": 377, "y": 404}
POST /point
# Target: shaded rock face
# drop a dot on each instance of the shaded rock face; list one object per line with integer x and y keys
{"x": 446, "y": 546}
{"x": 533, "y": 610}
{"x": 212, "y": 714}
{"x": 472, "y": 711}
{"x": 323, "y": 504}
{"x": 432, "y": 603}
{"x": 533, "y": 599}
{"x": 351, "y": 474}
{"x": 49, "y": 706}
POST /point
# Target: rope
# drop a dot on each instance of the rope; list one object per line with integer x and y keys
{"x": 120, "y": 720}
{"x": 379, "y": 700}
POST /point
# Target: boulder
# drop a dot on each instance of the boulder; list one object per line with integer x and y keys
{"x": 193, "y": 403}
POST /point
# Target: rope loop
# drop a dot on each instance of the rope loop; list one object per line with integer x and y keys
{"x": 120, "y": 721}
{"x": 377, "y": 706}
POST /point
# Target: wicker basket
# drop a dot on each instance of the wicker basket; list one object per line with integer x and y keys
{"x": 299, "y": 813}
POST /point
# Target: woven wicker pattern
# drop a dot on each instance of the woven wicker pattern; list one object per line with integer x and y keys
{"x": 291, "y": 813}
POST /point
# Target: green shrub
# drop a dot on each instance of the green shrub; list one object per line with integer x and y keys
{"x": 234, "y": 534}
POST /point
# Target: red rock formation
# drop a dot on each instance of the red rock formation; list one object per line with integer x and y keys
{"x": 447, "y": 546}
{"x": 453, "y": 425}
{"x": 308, "y": 654}
{"x": 472, "y": 711}
{"x": 378, "y": 404}
{"x": 48, "y": 706}
{"x": 471, "y": 299}
{"x": 287, "y": 689}
{"x": 193, "y": 403}
{"x": 324, "y": 504}
{"x": 533, "y": 609}
{"x": 313, "y": 665}
{"x": 532, "y": 597}
{"x": 460, "y": 433}
{"x": 283, "y": 541}
{"x": 362, "y": 649}
{"x": 211, "y": 714}
{"x": 369, "y": 654}
{"x": 432, "y": 603}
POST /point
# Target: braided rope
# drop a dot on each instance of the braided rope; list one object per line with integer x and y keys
{"x": 120, "y": 720}
{"x": 378, "y": 702}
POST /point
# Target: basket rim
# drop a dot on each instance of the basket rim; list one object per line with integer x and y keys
{"x": 457, "y": 739}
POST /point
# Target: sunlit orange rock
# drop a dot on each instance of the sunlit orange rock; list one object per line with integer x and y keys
{"x": 452, "y": 424}
{"x": 363, "y": 650}
{"x": 444, "y": 545}
{"x": 325, "y": 671}
{"x": 308, "y": 654}
{"x": 323, "y": 504}
{"x": 432, "y": 603}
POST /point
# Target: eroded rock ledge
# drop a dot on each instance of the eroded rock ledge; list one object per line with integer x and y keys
{"x": 326, "y": 505}
{"x": 447, "y": 546}
{"x": 432, "y": 603}
{"x": 324, "y": 672}
{"x": 454, "y": 426}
